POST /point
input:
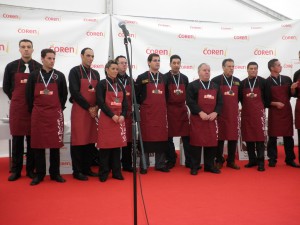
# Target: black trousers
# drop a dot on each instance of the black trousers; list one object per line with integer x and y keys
{"x": 288, "y": 143}
{"x": 82, "y": 158}
{"x": 160, "y": 160}
{"x": 109, "y": 159}
{"x": 127, "y": 156}
{"x": 171, "y": 153}
{"x": 209, "y": 156}
{"x": 256, "y": 152}
{"x": 18, "y": 153}
{"x": 231, "y": 146}
{"x": 40, "y": 160}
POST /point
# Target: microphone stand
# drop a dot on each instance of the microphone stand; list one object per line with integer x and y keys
{"x": 136, "y": 119}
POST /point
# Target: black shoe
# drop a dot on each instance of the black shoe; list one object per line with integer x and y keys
{"x": 292, "y": 164}
{"x": 163, "y": 169}
{"x": 91, "y": 174}
{"x": 30, "y": 174}
{"x": 80, "y": 176}
{"x": 272, "y": 164}
{"x": 58, "y": 178}
{"x": 212, "y": 170}
{"x": 14, "y": 177}
{"x": 130, "y": 169}
{"x": 103, "y": 178}
{"x": 261, "y": 168}
{"x": 232, "y": 165}
{"x": 170, "y": 165}
{"x": 143, "y": 171}
{"x": 36, "y": 180}
{"x": 250, "y": 164}
{"x": 118, "y": 177}
{"x": 194, "y": 172}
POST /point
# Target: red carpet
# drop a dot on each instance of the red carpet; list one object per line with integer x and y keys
{"x": 234, "y": 197}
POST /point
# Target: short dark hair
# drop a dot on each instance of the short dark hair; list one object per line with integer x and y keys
{"x": 118, "y": 57}
{"x": 227, "y": 60}
{"x": 271, "y": 63}
{"x": 25, "y": 40}
{"x": 150, "y": 57}
{"x": 83, "y": 50}
{"x": 47, "y": 50}
{"x": 108, "y": 64}
{"x": 174, "y": 57}
{"x": 252, "y": 64}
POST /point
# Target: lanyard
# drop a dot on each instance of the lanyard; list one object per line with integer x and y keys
{"x": 177, "y": 84}
{"x": 251, "y": 88}
{"x": 204, "y": 85}
{"x": 46, "y": 84}
{"x": 115, "y": 90}
{"x": 88, "y": 77}
{"x": 124, "y": 85}
{"x": 276, "y": 81}
{"x": 230, "y": 86}
{"x": 155, "y": 83}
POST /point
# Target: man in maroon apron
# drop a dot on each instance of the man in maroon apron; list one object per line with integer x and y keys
{"x": 229, "y": 117}
{"x": 124, "y": 79}
{"x": 280, "y": 117}
{"x": 178, "y": 119}
{"x": 82, "y": 85}
{"x": 111, "y": 99}
{"x": 205, "y": 102}
{"x": 151, "y": 95}
{"x": 46, "y": 94}
{"x": 14, "y": 83}
{"x": 253, "y": 116}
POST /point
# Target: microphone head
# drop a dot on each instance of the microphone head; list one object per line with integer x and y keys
{"x": 121, "y": 24}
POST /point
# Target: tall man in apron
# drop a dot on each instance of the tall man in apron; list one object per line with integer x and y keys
{"x": 111, "y": 99}
{"x": 205, "y": 102}
{"x": 82, "y": 85}
{"x": 151, "y": 95}
{"x": 229, "y": 117}
{"x": 178, "y": 118}
{"x": 280, "y": 117}
{"x": 253, "y": 116}
{"x": 46, "y": 94}
{"x": 14, "y": 83}
{"x": 124, "y": 79}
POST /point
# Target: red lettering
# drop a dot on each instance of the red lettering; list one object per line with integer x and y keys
{"x": 63, "y": 49}
{"x": 288, "y": 66}
{"x": 186, "y": 36}
{"x": 241, "y": 37}
{"x": 157, "y": 51}
{"x": 214, "y": 52}
{"x": 97, "y": 66}
{"x": 27, "y": 31}
{"x": 95, "y": 33}
{"x": 122, "y": 35}
{"x": 289, "y": 37}
{"x": 89, "y": 20}
{"x": 2, "y": 47}
{"x": 52, "y": 19}
{"x": 8, "y": 16}
{"x": 263, "y": 52}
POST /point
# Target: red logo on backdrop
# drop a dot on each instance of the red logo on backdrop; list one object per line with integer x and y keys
{"x": 286, "y": 25}
{"x": 52, "y": 19}
{"x": 214, "y": 52}
{"x": 242, "y": 37}
{"x": 226, "y": 28}
{"x": 287, "y": 66}
{"x": 186, "y": 36}
{"x": 163, "y": 25}
{"x": 97, "y": 66}
{"x": 289, "y": 38}
{"x": 3, "y": 48}
{"x": 11, "y": 16}
{"x": 92, "y": 20}
{"x": 120, "y": 34}
{"x": 256, "y": 28}
{"x": 130, "y": 22}
{"x": 158, "y": 51}
{"x": 28, "y": 31}
{"x": 240, "y": 67}
{"x": 65, "y": 163}
{"x": 187, "y": 67}
{"x": 264, "y": 52}
{"x": 195, "y": 28}
{"x": 63, "y": 49}
{"x": 95, "y": 34}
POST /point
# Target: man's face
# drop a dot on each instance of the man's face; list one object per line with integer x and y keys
{"x": 155, "y": 63}
{"x": 175, "y": 65}
{"x": 252, "y": 71}
{"x": 277, "y": 67}
{"x": 122, "y": 65}
{"x": 228, "y": 68}
{"x": 204, "y": 72}
{"x": 87, "y": 58}
{"x": 26, "y": 50}
{"x": 48, "y": 61}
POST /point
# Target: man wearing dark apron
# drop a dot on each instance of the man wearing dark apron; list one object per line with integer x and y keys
{"x": 151, "y": 96}
{"x": 253, "y": 120}
{"x": 178, "y": 118}
{"x": 46, "y": 93}
{"x": 280, "y": 117}
{"x": 82, "y": 85}
{"x": 14, "y": 83}
{"x": 111, "y": 99}
{"x": 124, "y": 79}
{"x": 228, "y": 120}
{"x": 205, "y": 102}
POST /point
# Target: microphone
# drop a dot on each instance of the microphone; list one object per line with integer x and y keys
{"x": 124, "y": 29}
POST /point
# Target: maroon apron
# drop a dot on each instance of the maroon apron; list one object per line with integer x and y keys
{"x": 19, "y": 116}
{"x": 111, "y": 134}
{"x": 154, "y": 124}
{"x": 280, "y": 121}
{"x": 229, "y": 116}
{"x": 178, "y": 119}
{"x": 204, "y": 132}
{"x": 47, "y": 119}
{"x": 297, "y": 109}
{"x": 253, "y": 116}
{"x": 83, "y": 126}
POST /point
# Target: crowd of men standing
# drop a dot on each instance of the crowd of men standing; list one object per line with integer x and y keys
{"x": 204, "y": 113}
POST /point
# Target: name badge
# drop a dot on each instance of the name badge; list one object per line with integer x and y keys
{"x": 127, "y": 93}
{"x": 178, "y": 91}
{"x": 24, "y": 81}
{"x": 209, "y": 96}
{"x": 157, "y": 91}
{"x": 46, "y": 92}
{"x": 230, "y": 93}
{"x": 116, "y": 103}
{"x": 251, "y": 95}
{"x": 91, "y": 90}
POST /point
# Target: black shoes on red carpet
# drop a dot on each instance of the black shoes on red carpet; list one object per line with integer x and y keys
{"x": 14, "y": 176}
